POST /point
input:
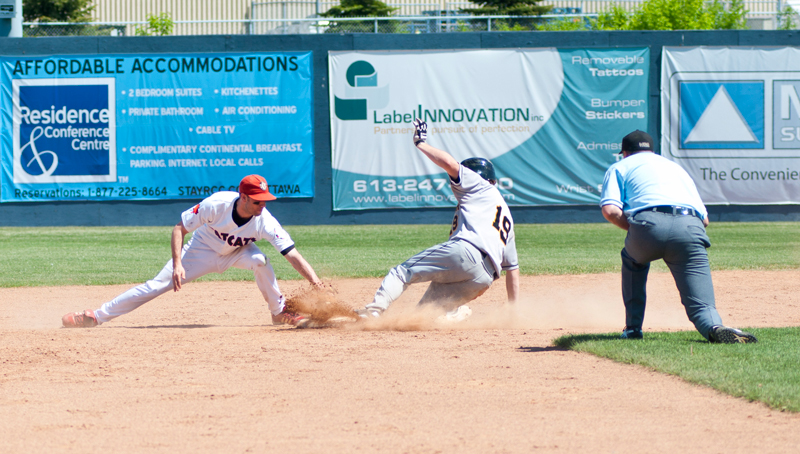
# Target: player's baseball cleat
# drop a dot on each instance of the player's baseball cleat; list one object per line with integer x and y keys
{"x": 632, "y": 333}
{"x": 288, "y": 318}
{"x": 85, "y": 319}
{"x": 459, "y": 314}
{"x": 368, "y": 313}
{"x": 725, "y": 335}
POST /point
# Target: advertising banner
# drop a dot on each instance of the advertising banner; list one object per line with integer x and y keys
{"x": 731, "y": 118}
{"x": 550, "y": 120}
{"x": 145, "y": 127}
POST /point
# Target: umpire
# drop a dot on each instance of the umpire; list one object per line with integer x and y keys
{"x": 657, "y": 202}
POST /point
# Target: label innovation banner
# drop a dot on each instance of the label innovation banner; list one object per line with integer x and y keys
{"x": 731, "y": 118}
{"x": 550, "y": 120}
{"x": 165, "y": 126}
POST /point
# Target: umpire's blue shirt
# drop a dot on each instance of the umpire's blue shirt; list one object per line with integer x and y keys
{"x": 646, "y": 180}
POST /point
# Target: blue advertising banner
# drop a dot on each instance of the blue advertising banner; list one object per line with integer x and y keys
{"x": 145, "y": 127}
{"x": 551, "y": 121}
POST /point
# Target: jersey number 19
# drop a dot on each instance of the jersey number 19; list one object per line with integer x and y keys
{"x": 505, "y": 227}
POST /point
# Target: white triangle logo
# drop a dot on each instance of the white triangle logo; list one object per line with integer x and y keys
{"x": 721, "y": 122}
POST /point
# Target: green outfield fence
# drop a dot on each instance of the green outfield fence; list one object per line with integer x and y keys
{"x": 318, "y": 210}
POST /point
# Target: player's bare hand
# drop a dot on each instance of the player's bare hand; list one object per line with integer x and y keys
{"x": 178, "y": 276}
{"x": 420, "y": 131}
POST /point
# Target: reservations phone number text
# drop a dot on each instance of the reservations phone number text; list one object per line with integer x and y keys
{"x": 143, "y": 191}
{"x": 130, "y": 191}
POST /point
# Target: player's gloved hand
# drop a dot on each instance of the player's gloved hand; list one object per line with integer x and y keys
{"x": 420, "y": 131}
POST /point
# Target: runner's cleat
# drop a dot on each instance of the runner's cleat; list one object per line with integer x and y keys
{"x": 369, "y": 312}
{"x": 457, "y": 315}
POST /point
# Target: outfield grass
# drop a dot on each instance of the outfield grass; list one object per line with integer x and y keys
{"x": 116, "y": 255}
{"x": 766, "y": 371}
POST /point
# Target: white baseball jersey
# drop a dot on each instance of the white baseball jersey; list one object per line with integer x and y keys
{"x": 483, "y": 219}
{"x": 212, "y": 223}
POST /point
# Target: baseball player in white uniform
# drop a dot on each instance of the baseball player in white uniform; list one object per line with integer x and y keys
{"x": 226, "y": 226}
{"x": 481, "y": 243}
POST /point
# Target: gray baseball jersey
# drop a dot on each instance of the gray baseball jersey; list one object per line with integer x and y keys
{"x": 481, "y": 244}
{"x": 483, "y": 219}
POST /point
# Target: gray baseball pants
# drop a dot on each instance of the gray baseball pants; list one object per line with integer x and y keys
{"x": 457, "y": 270}
{"x": 681, "y": 241}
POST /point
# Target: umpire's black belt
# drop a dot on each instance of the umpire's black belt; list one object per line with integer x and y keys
{"x": 676, "y": 210}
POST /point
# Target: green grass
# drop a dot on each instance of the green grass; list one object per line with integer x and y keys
{"x": 595, "y": 248}
{"x": 766, "y": 371}
{"x": 754, "y": 246}
{"x": 115, "y": 255}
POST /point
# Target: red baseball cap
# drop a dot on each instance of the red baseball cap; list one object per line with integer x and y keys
{"x": 255, "y": 186}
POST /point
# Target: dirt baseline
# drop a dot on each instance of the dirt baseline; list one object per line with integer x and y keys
{"x": 203, "y": 371}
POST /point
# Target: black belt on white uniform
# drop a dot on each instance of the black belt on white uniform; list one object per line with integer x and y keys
{"x": 676, "y": 210}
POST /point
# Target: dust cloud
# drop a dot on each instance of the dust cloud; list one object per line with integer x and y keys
{"x": 571, "y": 303}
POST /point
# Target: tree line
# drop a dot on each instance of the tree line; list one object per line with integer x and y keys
{"x": 648, "y": 15}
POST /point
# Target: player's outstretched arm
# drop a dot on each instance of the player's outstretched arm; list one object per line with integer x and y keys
{"x": 615, "y": 215}
{"x": 512, "y": 285}
{"x": 302, "y": 266}
{"x": 439, "y": 157}
{"x": 178, "y": 273}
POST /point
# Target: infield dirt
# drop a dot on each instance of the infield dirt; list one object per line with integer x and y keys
{"x": 203, "y": 371}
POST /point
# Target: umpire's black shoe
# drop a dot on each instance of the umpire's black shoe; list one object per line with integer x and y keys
{"x": 631, "y": 333}
{"x": 723, "y": 335}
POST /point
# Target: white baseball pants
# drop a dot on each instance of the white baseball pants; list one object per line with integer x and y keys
{"x": 199, "y": 260}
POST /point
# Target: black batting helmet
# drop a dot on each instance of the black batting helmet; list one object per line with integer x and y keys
{"x": 482, "y": 167}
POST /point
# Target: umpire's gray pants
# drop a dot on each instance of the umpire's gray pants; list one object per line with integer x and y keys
{"x": 681, "y": 241}
{"x": 456, "y": 269}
